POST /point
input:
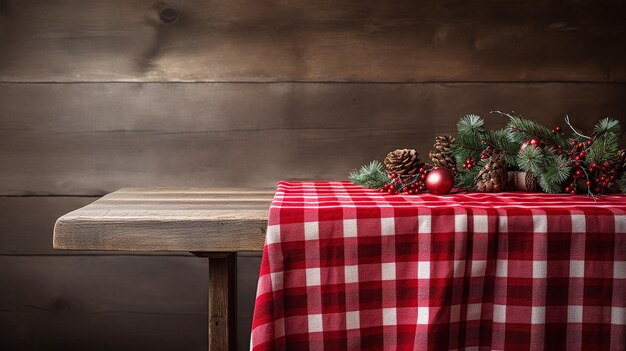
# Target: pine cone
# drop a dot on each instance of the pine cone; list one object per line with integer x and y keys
{"x": 403, "y": 162}
{"x": 440, "y": 154}
{"x": 493, "y": 176}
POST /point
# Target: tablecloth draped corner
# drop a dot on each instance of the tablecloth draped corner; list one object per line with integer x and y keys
{"x": 346, "y": 267}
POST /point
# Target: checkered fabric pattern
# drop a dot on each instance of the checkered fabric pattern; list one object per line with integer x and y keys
{"x": 348, "y": 268}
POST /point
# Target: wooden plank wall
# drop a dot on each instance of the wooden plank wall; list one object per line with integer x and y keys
{"x": 100, "y": 94}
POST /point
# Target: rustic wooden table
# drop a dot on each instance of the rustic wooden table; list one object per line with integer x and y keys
{"x": 212, "y": 223}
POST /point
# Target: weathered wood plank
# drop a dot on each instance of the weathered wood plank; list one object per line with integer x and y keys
{"x": 249, "y": 40}
{"x": 27, "y": 223}
{"x": 97, "y": 138}
{"x": 211, "y": 220}
{"x": 86, "y": 303}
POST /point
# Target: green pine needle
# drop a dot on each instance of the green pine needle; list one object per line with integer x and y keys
{"x": 554, "y": 173}
{"x": 521, "y": 129}
{"x": 605, "y": 147}
{"x": 471, "y": 124}
{"x": 607, "y": 125}
{"x": 499, "y": 139}
{"x": 372, "y": 175}
{"x": 531, "y": 159}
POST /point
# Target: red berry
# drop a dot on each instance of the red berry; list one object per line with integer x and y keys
{"x": 577, "y": 158}
{"x": 560, "y": 152}
{"x": 553, "y": 131}
{"x": 394, "y": 175}
{"x": 557, "y": 128}
{"x": 588, "y": 183}
{"x": 612, "y": 178}
{"x": 593, "y": 165}
{"x": 597, "y": 189}
{"x": 577, "y": 164}
{"x": 469, "y": 166}
{"x": 392, "y": 187}
{"x": 423, "y": 176}
{"x": 391, "y": 191}
{"x": 422, "y": 170}
{"x": 464, "y": 166}
{"x": 453, "y": 169}
{"x": 573, "y": 192}
{"x": 580, "y": 145}
{"x": 589, "y": 142}
{"x": 573, "y": 142}
{"x": 568, "y": 189}
{"x": 582, "y": 154}
{"x": 405, "y": 189}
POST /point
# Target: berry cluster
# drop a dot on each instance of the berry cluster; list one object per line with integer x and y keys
{"x": 556, "y": 129}
{"x": 410, "y": 184}
{"x": 469, "y": 163}
{"x": 594, "y": 178}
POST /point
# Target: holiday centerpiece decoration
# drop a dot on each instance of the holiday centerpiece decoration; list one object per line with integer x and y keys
{"x": 524, "y": 155}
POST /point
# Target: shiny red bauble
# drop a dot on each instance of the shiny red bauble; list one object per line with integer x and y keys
{"x": 439, "y": 181}
{"x": 532, "y": 142}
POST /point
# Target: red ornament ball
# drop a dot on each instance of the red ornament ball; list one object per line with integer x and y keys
{"x": 534, "y": 142}
{"x": 439, "y": 181}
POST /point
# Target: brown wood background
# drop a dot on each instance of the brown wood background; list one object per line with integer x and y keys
{"x": 100, "y": 94}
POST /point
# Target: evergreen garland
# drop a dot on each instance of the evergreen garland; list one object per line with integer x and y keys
{"x": 573, "y": 163}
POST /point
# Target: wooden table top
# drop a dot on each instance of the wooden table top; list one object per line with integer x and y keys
{"x": 168, "y": 219}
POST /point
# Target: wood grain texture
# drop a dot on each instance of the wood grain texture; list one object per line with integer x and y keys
{"x": 91, "y": 139}
{"x": 102, "y": 303}
{"x": 222, "y": 303}
{"x": 275, "y": 40}
{"x": 211, "y": 220}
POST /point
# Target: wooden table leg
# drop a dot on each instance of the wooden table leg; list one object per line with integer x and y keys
{"x": 222, "y": 302}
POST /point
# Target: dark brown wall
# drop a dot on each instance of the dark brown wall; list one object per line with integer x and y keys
{"x": 100, "y": 94}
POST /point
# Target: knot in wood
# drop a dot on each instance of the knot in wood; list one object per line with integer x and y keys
{"x": 168, "y": 15}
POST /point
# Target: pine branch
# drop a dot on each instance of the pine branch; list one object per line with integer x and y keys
{"x": 606, "y": 126}
{"x": 555, "y": 172}
{"x": 604, "y": 147}
{"x": 372, "y": 175}
{"x": 471, "y": 124}
{"x": 531, "y": 159}
{"x": 521, "y": 129}
{"x": 500, "y": 140}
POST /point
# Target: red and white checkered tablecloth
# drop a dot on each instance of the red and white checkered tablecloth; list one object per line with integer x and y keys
{"x": 348, "y": 268}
